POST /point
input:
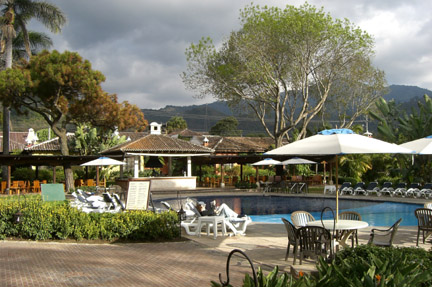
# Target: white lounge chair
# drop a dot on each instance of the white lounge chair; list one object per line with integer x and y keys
{"x": 386, "y": 189}
{"x": 425, "y": 191}
{"x": 232, "y": 221}
{"x": 399, "y": 190}
{"x": 412, "y": 190}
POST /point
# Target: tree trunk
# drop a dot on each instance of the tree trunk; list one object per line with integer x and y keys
{"x": 6, "y": 110}
{"x": 69, "y": 182}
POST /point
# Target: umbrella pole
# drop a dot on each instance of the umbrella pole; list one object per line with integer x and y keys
{"x": 97, "y": 176}
{"x": 337, "y": 193}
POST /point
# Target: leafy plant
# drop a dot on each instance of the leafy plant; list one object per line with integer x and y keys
{"x": 369, "y": 265}
{"x": 58, "y": 220}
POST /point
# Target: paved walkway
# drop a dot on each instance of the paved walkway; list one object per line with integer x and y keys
{"x": 187, "y": 263}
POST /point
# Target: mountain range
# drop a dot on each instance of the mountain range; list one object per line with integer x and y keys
{"x": 202, "y": 117}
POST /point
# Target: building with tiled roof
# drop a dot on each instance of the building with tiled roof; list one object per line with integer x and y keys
{"x": 186, "y": 133}
{"x": 235, "y": 145}
{"x": 17, "y": 141}
{"x": 51, "y": 146}
{"x": 158, "y": 144}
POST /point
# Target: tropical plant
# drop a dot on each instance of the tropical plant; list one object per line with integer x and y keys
{"x": 88, "y": 141}
{"x": 396, "y": 125}
{"x": 368, "y": 265}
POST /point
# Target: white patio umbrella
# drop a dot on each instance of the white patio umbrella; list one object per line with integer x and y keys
{"x": 420, "y": 146}
{"x": 338, "y": 142}
{"x": 267, "y": 161}
{"x": 102, "y": 161}
{"x": 297, "y": 160}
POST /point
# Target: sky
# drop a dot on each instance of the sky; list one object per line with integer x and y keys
{"x": 139, "y": 45}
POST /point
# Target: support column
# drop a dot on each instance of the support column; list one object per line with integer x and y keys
{"x": 136, "y": 168}
{"x": 222, "y": 184}
{"x": 189, "y": 166}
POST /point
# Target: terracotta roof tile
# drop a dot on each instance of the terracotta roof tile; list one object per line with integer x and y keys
{"x": 238, "y": 144}
{"x": 16, "y": 141}
{"x": 51, "y": 145}
{"x": 159, "y": 144}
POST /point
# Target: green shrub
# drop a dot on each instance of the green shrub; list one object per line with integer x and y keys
{"x": 23, "y": 173}
{"x": 365, "y": 265}
{"x": 58, "y": 220}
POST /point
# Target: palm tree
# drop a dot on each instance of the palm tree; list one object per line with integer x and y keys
{"x": 16, "y": 15}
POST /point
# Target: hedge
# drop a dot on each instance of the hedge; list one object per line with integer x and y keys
{"x": 58, "y": 220}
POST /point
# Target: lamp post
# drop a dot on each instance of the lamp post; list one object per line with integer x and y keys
{"x": 18, "y": 215}
{"x": 181, "y": 213}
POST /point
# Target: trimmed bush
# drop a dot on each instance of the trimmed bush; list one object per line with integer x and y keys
{"x": 58, "y": 220}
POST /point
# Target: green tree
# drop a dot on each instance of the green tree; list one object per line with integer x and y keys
{"x": 64, "y": 89}
{"x": 176, "y": 123}
{"x": 88, "y": 141}
{"x": 45, "y": 134}
{"x": 226, "y": 127}
{"x": 285, "y": 65}
{"x": 15, "y": 16}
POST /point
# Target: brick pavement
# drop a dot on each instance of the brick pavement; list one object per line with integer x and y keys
{"x": 140, "y": 264}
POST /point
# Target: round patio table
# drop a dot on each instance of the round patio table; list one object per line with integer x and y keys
{"x": 341, "y": 225}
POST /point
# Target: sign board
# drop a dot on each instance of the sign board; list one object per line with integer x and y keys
{"x": 53, "y": 192}
{"x": 138, "y": 195}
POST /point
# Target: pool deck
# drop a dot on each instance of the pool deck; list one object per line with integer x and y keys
{"x": 265, "y": 243}
{"x": 193, "y": 262}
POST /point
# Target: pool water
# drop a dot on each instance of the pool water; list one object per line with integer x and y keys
{"x": 270, "y": 209}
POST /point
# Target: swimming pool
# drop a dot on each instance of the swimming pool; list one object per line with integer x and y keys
{"x": 272, "y": 208}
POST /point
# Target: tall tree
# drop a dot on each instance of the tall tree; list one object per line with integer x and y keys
{"x": 226, "y": 127}
{"x": 15, "y": 16}
{"x": 284, "y": 64}
{"x": 64, "y": 89}
{"x": 176, "y": 123}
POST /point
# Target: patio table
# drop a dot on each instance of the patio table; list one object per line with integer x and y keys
{"x": 209, "y": 222}
{"x": 341, "y": 225}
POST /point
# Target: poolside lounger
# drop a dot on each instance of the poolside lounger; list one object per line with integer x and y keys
{"x": 399, "y": 190}
{"x": 236, "y": 224}
{"x": 345, "y": 188}
{"x": 412, "y": 189}
{"x": 358, "y": 188}
{"x": 425, "y": 191}
{"x": 372, "y": 188}
{"x": 386, "y": 189}
{"x": 81, "y": 203}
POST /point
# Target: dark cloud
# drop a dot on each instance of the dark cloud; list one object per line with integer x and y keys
{"x": 139, "y": 45}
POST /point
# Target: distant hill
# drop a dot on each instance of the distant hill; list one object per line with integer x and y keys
{"x": 404, "y": 94}
{"x": 203, "y": 117}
